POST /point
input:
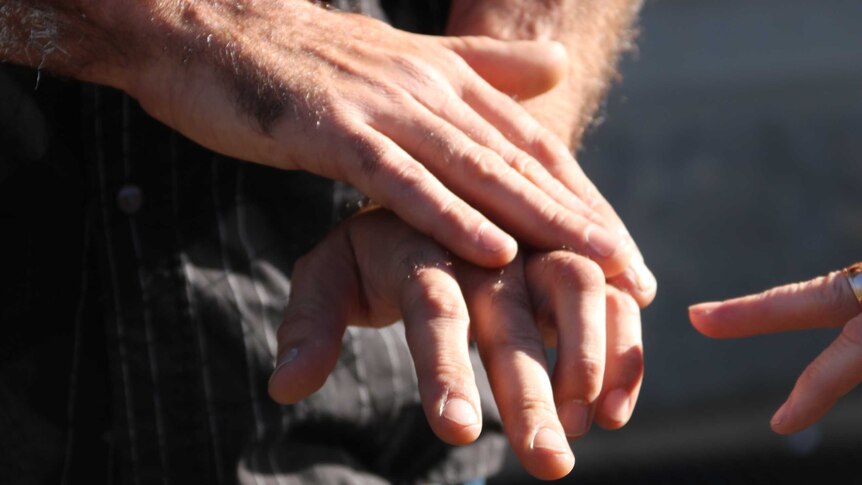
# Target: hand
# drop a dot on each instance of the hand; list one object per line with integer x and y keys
{"x": 593, "y": 33}
{"x": 822, "y": 302}
{"x": 374, "y": 269}
{"x": 413, "y": 121}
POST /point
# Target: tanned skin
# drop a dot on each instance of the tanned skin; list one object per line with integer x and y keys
{"x": 430, "y": 128}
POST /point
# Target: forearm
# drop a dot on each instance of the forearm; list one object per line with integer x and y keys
{"x": 60, "y": 36}
{"x": 109, "y": 41}
{"x": 594, "y": 32}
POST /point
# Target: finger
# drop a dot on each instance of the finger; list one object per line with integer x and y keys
{"x": 834, "y": 373}
{"x": 522, "y": 69}
{"x": 403, "y": 269}
{"x": 637, "y": 281}
{"x": 511, "y": 349}
{"x": 526, "y": 133}
{"x": 398, "y": 182}
{"x": 499, "y": 191}
{"x": 826, "y": 301}
{"x": 625, "y": 365}
{"x": 568, "y": 291}
{"x": 309, "y": 339}
{"x": 437, "y": 328}
{"x": 451, "y": 108}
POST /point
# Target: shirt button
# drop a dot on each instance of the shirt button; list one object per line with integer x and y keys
{"x": 129, "y": 199}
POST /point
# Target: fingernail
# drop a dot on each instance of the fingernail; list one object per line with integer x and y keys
{"x": 575, "y": 418}
{"x": 494, "y": 240}
{"x": 643, "y": 276}
{"x": 779, "y": 415}
{"x": 548, "y": 439}
{"x": 459, "y": 412}
{"x": 285, "y": 359}
{"x": 617, "y": 406}
{"x": 601, "y": 241}
{"x": 704, "y": 309}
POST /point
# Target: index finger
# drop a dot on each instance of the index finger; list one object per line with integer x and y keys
{"x": 827, "y": 301}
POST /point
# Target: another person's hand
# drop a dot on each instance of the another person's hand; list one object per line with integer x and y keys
{"x": 374, "y": 269}
{"x": 415, "y": 122}
{"x": 822, "y": 302}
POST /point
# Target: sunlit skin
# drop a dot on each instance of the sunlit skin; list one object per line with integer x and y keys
{"x": 374, "y": 270}
{"x": 430, "y": 128}
{"x": 825, "y": 302}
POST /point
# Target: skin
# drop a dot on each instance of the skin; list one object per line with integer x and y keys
{"x": 825, "y": 302}
{"x": 297, "y": 87}
{"x": 594, "y": 33}
{"x": 415, "y": 122}
{"x": 556, "y": 299}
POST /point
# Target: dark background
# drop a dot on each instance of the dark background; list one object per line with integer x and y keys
{"x": 732, "y": 150}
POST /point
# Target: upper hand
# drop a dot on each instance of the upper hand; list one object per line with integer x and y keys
{"x": 822, "y": 302}
{"x": 374, "y": 269}
{"x": 413, "y": 121}
{"x": 568, "y": 107}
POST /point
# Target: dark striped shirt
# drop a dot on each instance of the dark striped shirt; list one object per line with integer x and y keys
{"x": 143, "y": 279}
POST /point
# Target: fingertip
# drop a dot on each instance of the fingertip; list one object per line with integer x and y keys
{"x": 459, "y": 422}
{"x": 778, "y": 423}
{"x": 702, "y": 317}
{"x": 615, "y": 409}
{"x": 298, "y": 374}
{"x": 641, "y": 286}
{"x": 550, "y": 456}
{"x": 498, "y": 248}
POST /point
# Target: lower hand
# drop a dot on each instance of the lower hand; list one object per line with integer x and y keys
{"x": 374, "y": 269}
{"x": 827, "y": 301}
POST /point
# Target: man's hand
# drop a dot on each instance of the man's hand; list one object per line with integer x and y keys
{"x": 374, "y": 269}
{"x": 820, "y": 303}
{"x": 415, "y": 122}
{"x": 594, "y": 32}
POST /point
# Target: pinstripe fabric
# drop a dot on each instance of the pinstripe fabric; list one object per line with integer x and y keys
{"x": 166, "y": 338}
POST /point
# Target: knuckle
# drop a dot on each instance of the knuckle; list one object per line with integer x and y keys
{"x": 573, "y": 271}
{"x": 452, "y": 373}
{"x": 370, "y": 157}
{"x": 622, "y": 303}
{"x": 629, "y": 365}
{"x": 437, "y": 306}
{"x": 588, "y": 374}
{"x": 852, "y": 334}
{"x": 526, "y": 165}
{"x": 536, "y": 406}
{"x": 452, "y": 213}
{"x": 554, "y": 216}
{"x": 813, "y": 377}
{"x": 828, "y": 292}
{"x": 409, "y": 181}
{"x": 419, "y": 73}
{"x": 517, "y": 340}
{"x": 484, "y": 164}
{"x": 541, "y": 141}
{"x": 502, "y": 291}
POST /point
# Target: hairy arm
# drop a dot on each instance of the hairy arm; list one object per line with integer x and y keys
{"x": 415, "y": 122}
{"x": 57, "y": 35}
{"x": 594, "y": 32}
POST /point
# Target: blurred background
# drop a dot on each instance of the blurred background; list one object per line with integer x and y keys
{"x": 733, "y": 150}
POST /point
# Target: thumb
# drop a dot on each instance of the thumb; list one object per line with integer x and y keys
{"x": 324, "y": 293}
{"x": 522, "y": 68}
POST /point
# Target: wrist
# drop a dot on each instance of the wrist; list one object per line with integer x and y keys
{"x": 512, "y": 19}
